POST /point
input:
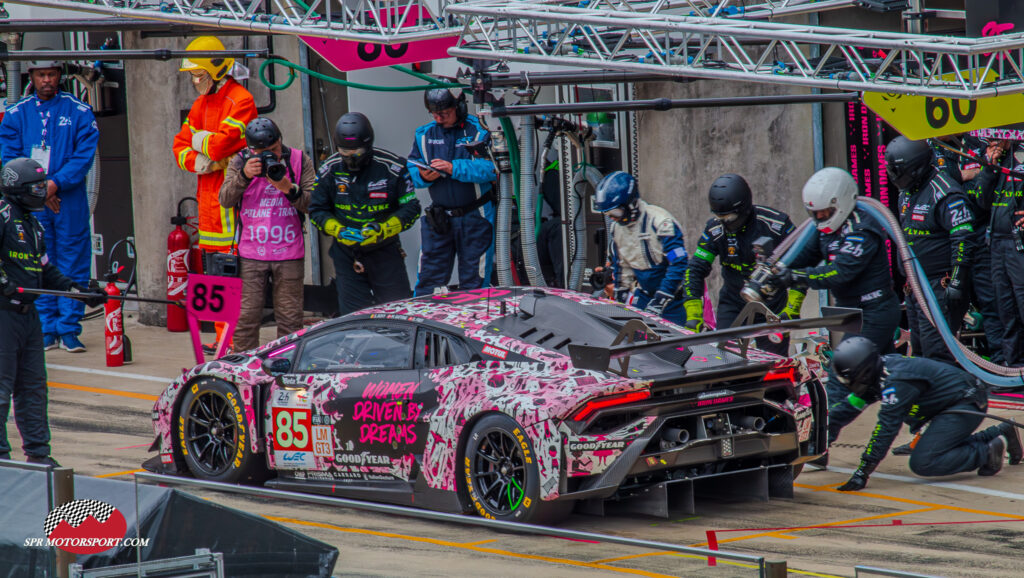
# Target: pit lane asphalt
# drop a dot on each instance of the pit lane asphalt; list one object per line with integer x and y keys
{"x": 962, "y": 525}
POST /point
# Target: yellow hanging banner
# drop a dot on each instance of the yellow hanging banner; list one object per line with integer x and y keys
{"x": 921, "y": 117}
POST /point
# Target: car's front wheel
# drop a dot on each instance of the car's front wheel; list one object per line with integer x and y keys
{"x": 212, "y": 435}
{"x": 501, "y": 474}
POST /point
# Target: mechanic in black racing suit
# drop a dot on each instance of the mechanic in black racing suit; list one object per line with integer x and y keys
{"x": 855, "y": 271}
{"x": 978, "y": 182}
{"x": 24, "y": 263}
{"x": 938, "y": 224}
{"x": 730, "y": 237}
{"x": 916, "y": 391}
{"x": 364, "y": 198}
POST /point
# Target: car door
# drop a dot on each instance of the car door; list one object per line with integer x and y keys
{"x": 360, "y": 388}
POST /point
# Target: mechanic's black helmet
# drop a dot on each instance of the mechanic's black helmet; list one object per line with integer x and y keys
{"x": 24, "y": 183}
{"x": 908, "y": 162}
{"x": 261, "y": 133}
{"x": 731, "y": 201}
{"x": 857, "y": 364}
{"x": 440, "y": 99}
{"x": 353, "y": 132}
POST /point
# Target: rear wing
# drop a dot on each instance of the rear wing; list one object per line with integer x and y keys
{"x": 599, "y": 358}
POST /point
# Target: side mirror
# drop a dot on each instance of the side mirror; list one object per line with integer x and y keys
{"x": 277, "y": 366}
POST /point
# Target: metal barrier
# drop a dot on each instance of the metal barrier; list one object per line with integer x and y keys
{"x": 858, "y": 570}
{"x": 60, "y": 489}
{"x": 765, "y": 570}
{"x": 202, "y": 564}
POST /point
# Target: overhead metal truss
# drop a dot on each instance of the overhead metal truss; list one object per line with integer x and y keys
{"x": 380, "y": 21}
{"x": 723, "y": 39}
{"x": 656, "y": 37}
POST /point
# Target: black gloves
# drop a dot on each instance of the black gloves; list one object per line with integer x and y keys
{"x": 859, "y": 479}
{"x": 956, "y": 288}
{"x": 6, "y": 287}
{"x": 91, "y": 296}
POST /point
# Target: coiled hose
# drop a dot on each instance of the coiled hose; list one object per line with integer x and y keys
{"x": 578, "y": 231}
{"x": 990, "y": 373}
{"x": 502, "y": 246}
{"x": 527, "y": 202}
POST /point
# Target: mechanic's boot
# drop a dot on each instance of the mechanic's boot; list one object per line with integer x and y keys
{"x": 1013, "y": 445}
{"x": 821, "y": 462}
{"x": 903, "y": 450}
{"x": 996, "y": 449}
{"x": 42, "y": 460}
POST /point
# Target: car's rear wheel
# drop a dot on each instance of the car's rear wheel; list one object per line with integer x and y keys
{"x": 212, "y": 435}
{"x": 501, "y": 474}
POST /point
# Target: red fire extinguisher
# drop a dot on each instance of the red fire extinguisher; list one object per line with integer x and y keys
{"x": 114, "y": 330}
{"x": 181, "y": 258}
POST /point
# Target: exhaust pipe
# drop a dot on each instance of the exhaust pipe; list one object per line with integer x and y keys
{"x": 676, "y": 435}
{"x": 752, "y": 422}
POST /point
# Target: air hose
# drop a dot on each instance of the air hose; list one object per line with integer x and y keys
{"x": 527, "y": 200}
{"x": 988, "y": 372}
{"x": 578, "y": 232}
{"x": 292, "y": 67}
{"x": 991, "y": 373}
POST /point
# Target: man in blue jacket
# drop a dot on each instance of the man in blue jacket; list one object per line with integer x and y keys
{"x": 59, "y": 132}
{"x": 646, "y": 249}
{"x": 446, "y": 159}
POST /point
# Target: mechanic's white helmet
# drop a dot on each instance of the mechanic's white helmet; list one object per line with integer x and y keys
{"x": 830, "y": 188}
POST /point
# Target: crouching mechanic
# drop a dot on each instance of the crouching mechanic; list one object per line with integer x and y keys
{"x": 363, "y": 199}
{"x": 917, "y": 391}
{"x": 730, "y": 237}
{"x": 23, "y": 263}
{"x": 850, "y": 247}
{"x": 269, "y": 186}
{"x": 646, "y": 248}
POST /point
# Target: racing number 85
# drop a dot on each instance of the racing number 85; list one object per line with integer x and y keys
{"x": 291, "y": 430}
{"x": 214, "y": 301}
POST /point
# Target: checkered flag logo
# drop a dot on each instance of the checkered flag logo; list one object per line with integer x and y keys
{"x": 76, "y": 512}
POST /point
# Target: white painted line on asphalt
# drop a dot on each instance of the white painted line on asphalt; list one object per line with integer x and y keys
{"x": 138, "y": 376}
{"x": 947, "y": 485}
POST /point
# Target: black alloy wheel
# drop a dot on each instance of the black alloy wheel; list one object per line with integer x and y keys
{"x": 210, "y": 432}
{"x": 499, "y": 472}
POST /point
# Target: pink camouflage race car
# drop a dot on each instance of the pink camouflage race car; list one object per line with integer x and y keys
{"x": 515, "y": 403}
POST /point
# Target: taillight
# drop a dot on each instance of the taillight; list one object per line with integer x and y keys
{"x": 778, "y": 373}
{"x": 610, "y": 401}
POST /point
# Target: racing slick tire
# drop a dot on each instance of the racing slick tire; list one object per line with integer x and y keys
{"x": 501, "y": 474}
{"x": 211, "y": 434}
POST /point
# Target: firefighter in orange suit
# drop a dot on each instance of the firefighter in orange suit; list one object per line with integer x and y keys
{"x": 213, "y": 132}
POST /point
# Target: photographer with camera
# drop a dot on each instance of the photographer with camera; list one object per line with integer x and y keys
{"x": 740, "y": 234}
{"x": 363, "y": 199}
{"x": 260, "y": 184}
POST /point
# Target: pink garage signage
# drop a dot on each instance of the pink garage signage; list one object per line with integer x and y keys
{"x": 347, "y": 55}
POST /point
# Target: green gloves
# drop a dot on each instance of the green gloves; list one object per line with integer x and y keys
{"x": 694, "y": 314}
{"x": 794, "y": 301}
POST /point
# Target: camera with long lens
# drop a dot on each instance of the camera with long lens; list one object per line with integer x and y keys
{"x": 271, "y": 167}
{"x": 599, "y": 279}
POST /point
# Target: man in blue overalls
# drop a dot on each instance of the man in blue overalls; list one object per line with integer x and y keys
{"x": 59, "y": 132}
{"x": 446, "y": 159}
